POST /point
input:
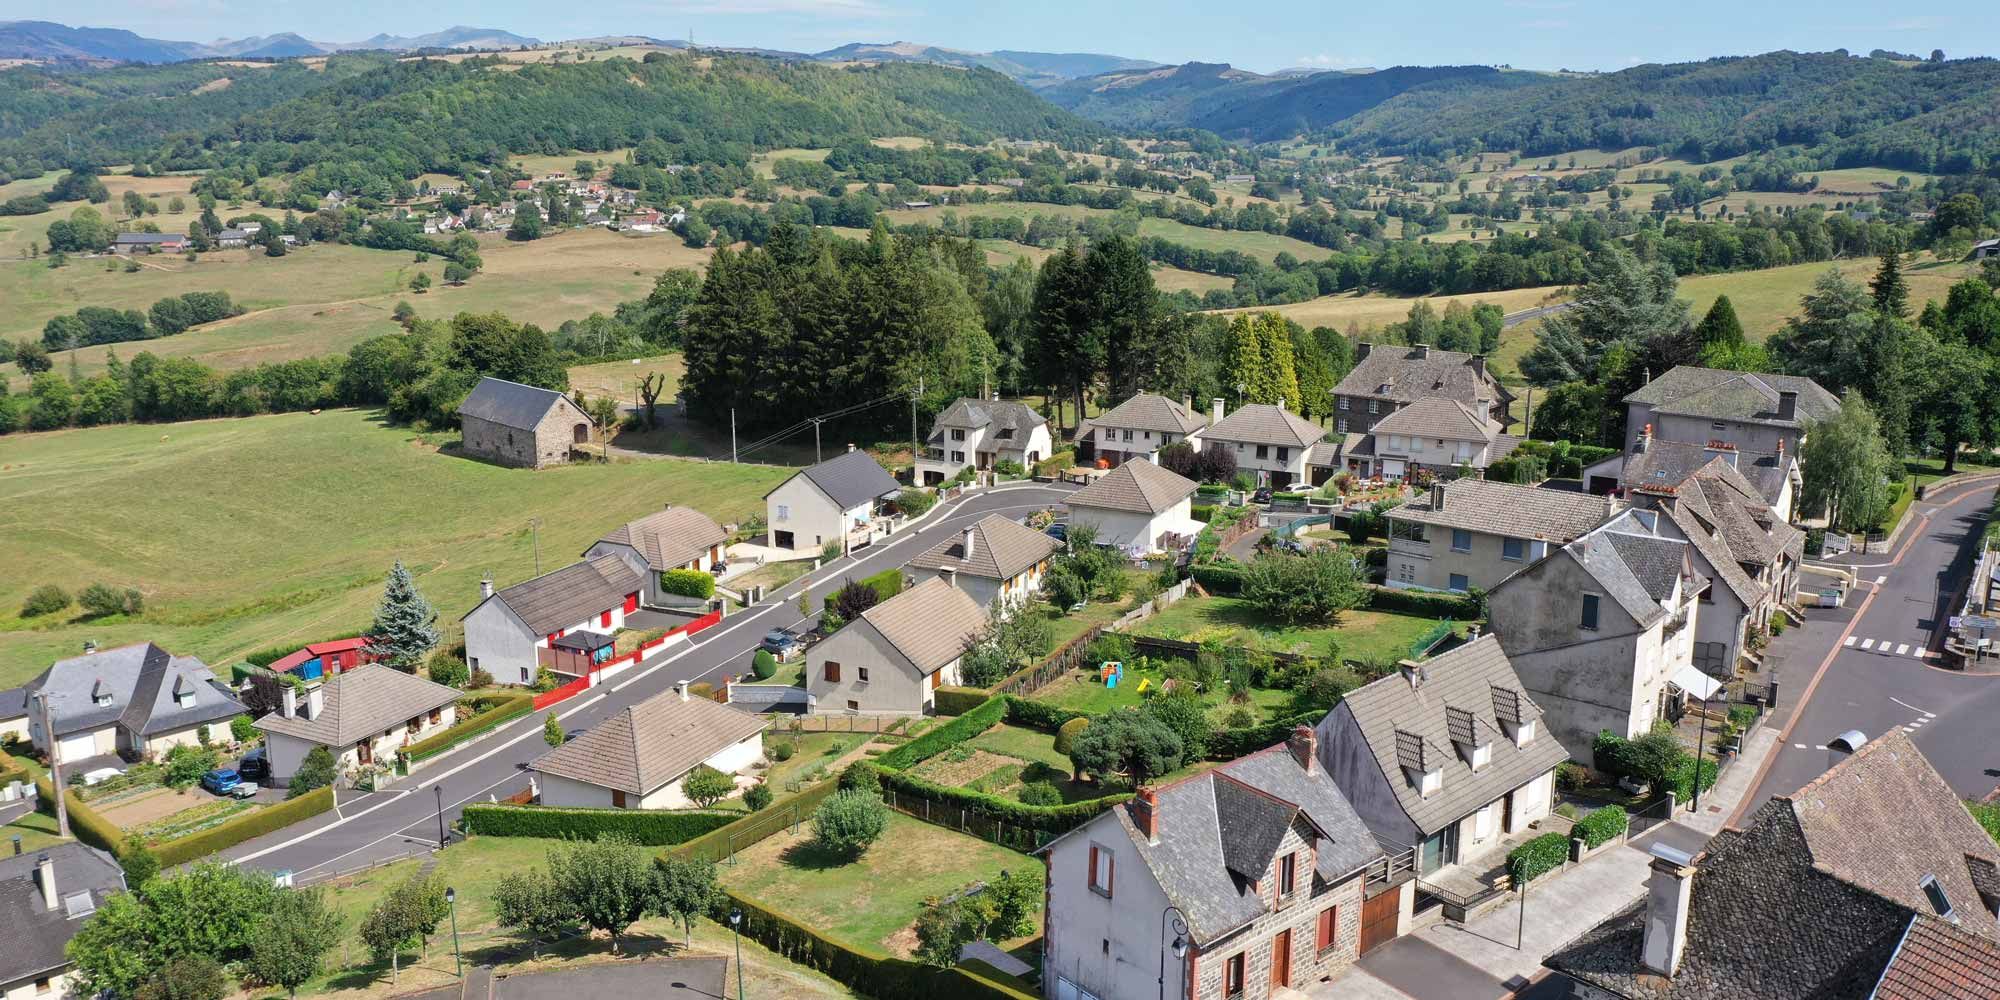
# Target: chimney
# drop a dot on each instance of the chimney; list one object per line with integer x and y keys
{"x": 89, "y": 647}
{"x": 1478, "y": 364}
{"x": 1215, "y": 410}
{"x": 1724, "y": 449}
{"x": 485, "y": 588}
{"x": 1144, "y": 809}
{"x": 289, "y": 708}
{"x": 45, "y": 876}
{"x": 1645, "y": 440}
{"x": 1423, "y": 351}
{"x": 1187, "y": 402}
{"x": 949, "y": 574}
{"x": 1361, "y": 351}
{"x": 1668, "y": 895}
{"x": 666, "y": 506}
{"x": 682, "y": 689}
{"x": 315, "y": 700}
{"x": 1788, "y": 405}
{"x": 1304, "y": 745}
{"x": 967, "y": 544}
{"x": 1412, "y": 672}
{"x": 1437, "y": 497}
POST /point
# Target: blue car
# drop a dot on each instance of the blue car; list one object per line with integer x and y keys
{"x": 221, "y": 781}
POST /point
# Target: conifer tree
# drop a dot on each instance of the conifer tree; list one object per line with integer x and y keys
{"x": 405, "y": 626}
{"x": 1892, "y": 292}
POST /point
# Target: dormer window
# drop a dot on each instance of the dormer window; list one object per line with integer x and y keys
{"x": 1940, "y": 903}
{"x": 1431, "y": 782}
{"x": 1472, "y": 736}
{"x": 1422, "y": 761}
{"x": 1524, "y": 733}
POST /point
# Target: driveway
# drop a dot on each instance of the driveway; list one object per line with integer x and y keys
{"x": 660, "y": 979}
{"x": 1422, "y": 969}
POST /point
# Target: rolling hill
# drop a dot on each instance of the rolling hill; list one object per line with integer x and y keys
{"x": 46, "y": 40}
{"x": 1162, "y": 97}
{"x": 1036, "y": 69}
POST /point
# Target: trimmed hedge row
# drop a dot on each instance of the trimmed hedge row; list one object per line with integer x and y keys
{"x": 1039, "y": 714}
{"x": 879, "y": 975}
{"x": 651, "y": 827}
{"x": 1219, "y": 577}
{"x": 86, "y": 823}
{"x": 886, "y": 584}
{"x": 515, "y": 705}
{"x": 1422, "y": 603}
{"x": 1537, "y": 857}
{"x": 1048, "y": 819}
{"x": 1601, "y": 825}
{"x": 1229, "y": 744}
{"x": 688, "y": 583}
{"x": 753, "y": 827}
{"x": 1203, "y": 512}
{"x": 236, "y": 831}
{"x": 957, "y": 731}
{"x": 959, "y": 700}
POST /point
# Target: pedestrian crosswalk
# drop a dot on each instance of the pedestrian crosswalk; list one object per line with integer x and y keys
{"x": 1885, "y": 647}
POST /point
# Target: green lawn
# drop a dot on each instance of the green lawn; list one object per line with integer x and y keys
{"x": 810, "y": 751}
{"x": 248, "y": 532}
{"x": 1022, "y": 742}
{"x": 1369, "y": 636}
{"x": 1080, "y": 692}
{"x": 867, "y": 902}
{"x": 36, "y": 830}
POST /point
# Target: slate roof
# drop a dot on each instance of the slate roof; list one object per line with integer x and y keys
{"x": 1633, "y": 566}
{"x": 1655, "y": 562}
{"x": 997, "y": 414}
{"x": 1808, "y": 880}
{"x": 141, "y": 680}
{"x": 360, "y": 703}
{"x": 1729, "y": 522}
{"x": 1147, "y": 412}
{"x": 1200, "y": 868}
{"x": 1669, "y": 463}
{"x": 1499, "y": 508}
{"x": 1138, "y": 487}
{"x": 668, "y": 538}
{"x": 1405, "y": 726}
{"x": 32, "y": 946}
{"x": 849, "y": 479}
{"x": 562, "y": 598}
{"x": 1391, "y": 371}
{"x": 1001, "y": 549}
{"x": 14, "y": 703}
{"x": 1265, "y": 423}
{"x": 511, "y": 404}
{"x": 1728, "y": 395}
{"x": 651, "y": 744}
{"x": 1438, "y": 417}
{"x": 929, "y": 623}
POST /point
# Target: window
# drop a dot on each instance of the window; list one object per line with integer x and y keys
{"x": 957, "y": 435}
{"x": 784, "y": 512}
{"x": 833, "y": 671}
{"x": 861, "y": 674}
{"x": 1935, "y": 893}
{"x": 958, "y": 456}
{"x": 1288, "y": 874}
{"x": 1101, "y": 864}
{"x": 1343, "y": 402}
{"x": 1232, "y": 977}
{"x": 1263, "y": 451}
{"x": 1284, "y": 454}
{"x": 853, "y": 706}
{"x": 437, "y": 716}
{"x": 1341, "y": 426}
{"x": 42, "y": 986}
{"x": 1461, "y": 540}
{"x": 1589, "y": 619}
{"x": 1328, "y": 930}
{"x": 1374, "y": 406}
{"x": 1459, "y": 582}
{"x": 1128, "y": 434}
{"x": 1513, "y": 549}
{"x": 1717, "y": 426}
{"x": 617, "y": 798}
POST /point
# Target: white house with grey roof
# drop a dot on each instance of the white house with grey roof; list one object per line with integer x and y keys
{"x": 1469, "y": 533}
{"x": 641, "y": 757}
{"x": 521, "y": 425}
{"x": 977, "y": 434}
{"x": 361, "y": 716}
{"x": 998, "y": 561}
{"x": 136, "y": 701}
{"x": 1433, "y": 434}
{"x": 1269, "y": 442}
{"x": 45, "y": 897}
{"x": 1655, "y": 461}
{"x": 1448, "y": 756}
{"x": 668, "y": 539}
{"x": 892, "y": 658}
{"x": 1387, "y": 377}
{"x": 1275, "y": 881}
{"x": 827, "y": 502}
{"x": 1754, "y": 411}
{"x": 563, "y": 620}
{"x": 1138, "y": 507}
{"x": 1136, "y": 428}
{"x": 1602, "y": 630}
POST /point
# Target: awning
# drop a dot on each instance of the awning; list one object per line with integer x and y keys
{"x": 1691, "y": 680}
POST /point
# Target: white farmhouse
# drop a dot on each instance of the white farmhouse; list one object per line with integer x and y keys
{"x": 1138, "y": 507}
{"x": 978, "y": 434}
{"x": 822, "y": 503}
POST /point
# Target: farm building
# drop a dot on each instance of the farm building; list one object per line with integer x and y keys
{"x": 521, "y": 425}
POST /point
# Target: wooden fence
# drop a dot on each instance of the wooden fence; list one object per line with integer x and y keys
{"x": 1067, "y": 657}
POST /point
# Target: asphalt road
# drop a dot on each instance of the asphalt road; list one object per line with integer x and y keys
{"x": 1864, "y": 667}
{"x": 404, "y": 820}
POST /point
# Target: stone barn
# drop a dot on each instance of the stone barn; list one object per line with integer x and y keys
{"x": 521, "y": 425}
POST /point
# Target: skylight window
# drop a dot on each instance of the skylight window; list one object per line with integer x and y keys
{"x": 1935, "y": 893}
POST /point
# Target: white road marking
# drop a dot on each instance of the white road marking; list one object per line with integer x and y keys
{"x": 1798, "y": 746}
{"x": 1819, "y": 746}
{"x": 1852, "y": 639}
{"x": 1913, "y": 708}
{"x": 1919, "y": 651}
{"x": 1867, "y": 644}
{"x": 1880, "y": 580}
{"x": 1901, "y": 648}
{"x": 1909, "y": 729}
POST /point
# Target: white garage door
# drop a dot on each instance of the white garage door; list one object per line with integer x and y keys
{"x": 79, "y": 746}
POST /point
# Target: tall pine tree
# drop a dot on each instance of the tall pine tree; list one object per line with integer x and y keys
{"x": 405, "y": 627}
{"x": 1892, "y": 292}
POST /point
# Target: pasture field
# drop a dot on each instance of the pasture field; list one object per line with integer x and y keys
{"x": 1376, "y": 310}
{"x": 248, "y": 532}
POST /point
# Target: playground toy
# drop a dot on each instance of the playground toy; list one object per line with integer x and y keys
{"x": 1111, "y": 672}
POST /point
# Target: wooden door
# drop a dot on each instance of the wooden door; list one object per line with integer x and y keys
{"x": 1281, "y": 959}
{"x": 1507, "y": 814}
{"x": 1378, "y": 918}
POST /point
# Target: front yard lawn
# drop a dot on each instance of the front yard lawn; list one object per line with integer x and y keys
{"x": 871, "y": 902}
{"x": 1367, "y": 636}
{"x": 791, "y": 673}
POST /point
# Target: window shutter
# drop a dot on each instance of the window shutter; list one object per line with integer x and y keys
{"x": 833, "y": 671}
{"x": 1327, "y": 924}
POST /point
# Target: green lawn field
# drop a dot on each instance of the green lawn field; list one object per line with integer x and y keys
{"x": 244, "y": 533}
{"x": 1368, "y": 636}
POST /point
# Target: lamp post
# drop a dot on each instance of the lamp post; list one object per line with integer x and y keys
{"x": 439, "y": 789}
{"x": 451, "y": 900}
{"x": 1180, "y": 944}
{"x": 1700, "y": 751}
{"x": 736, "y": 929}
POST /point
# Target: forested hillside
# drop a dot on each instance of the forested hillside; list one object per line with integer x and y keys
{"x": 1165, "y": 98}
{"x": 1314, "y": 102}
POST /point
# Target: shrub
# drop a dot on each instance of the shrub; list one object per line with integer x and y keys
{"x": 706, "y": 785}
{"x": 782, "y": 751}
{"x": 1742, "y": 716}
{"x": 1601, "y": 825}
{"x": 1067, "y": 734}
{"x": 1038, "y": 714}
{"x": 1569, "y": 776}
{"x": 186, "y": 765}
{"x": 1127, "y": 743}
{"x": 879, "y": 975}
{"x": 46, "y": 599}
{"x": 915, "y": 502}
{"x": 1187, "y": 716}
{"x": 764, "y": 665}
{"x": 1680, "y": 776}
{"x": 849, "y": 601}
{"x": 651, "y": 827}
{"x": 958, "y": 700}
{"x": 1111, "y": 647}
{"x": 243, "y": 729}
{"x": 317, "y": 771}
{"x": 1202, "y": 512}
{"x": 1040, "y": 793}
{"x": 849, "y": 822}
{"x": 248, "y": 826}
{"x": 1221, "y": 578}
{"x": 756, "y": 797}
{"x": 1427, "y": 605}
{"x": 688, "y": 583}
{"x": 100, "y": 599}
{"x": 1537, "y": 857}
{"x": 449, "y": 671}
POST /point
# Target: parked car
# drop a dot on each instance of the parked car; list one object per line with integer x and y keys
{"x": 221, "y": 781}
{"x": 1058, "y": 531}
{"x": 781, "y": 641}
{"x": 243, "y": 790}
{"x": 1263, "y": 495}
{"x": 254, "y": 766}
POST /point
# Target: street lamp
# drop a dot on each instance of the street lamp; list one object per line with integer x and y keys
{"x": 439, "y": 789}
{"x": 1180, "y": 944}
{"x": 736, "y": 928}
{"x": 451, "y": 900}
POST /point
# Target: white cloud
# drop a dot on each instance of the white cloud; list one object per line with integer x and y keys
{"x": 810, "y": 8}
{"x": 1326, "y": 61}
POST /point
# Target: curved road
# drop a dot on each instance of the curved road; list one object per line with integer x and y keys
{"x": 403, "y": 820}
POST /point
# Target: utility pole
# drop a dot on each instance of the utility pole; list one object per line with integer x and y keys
{"x": 732, "y": 435}
{"x": 55, "y": 767}
{"x": 535, "y": 529}
{"x": 916, "y": 451}
{"x": 818, "y": 456}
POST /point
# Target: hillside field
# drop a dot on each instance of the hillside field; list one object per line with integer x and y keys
{"x": 249, "y": 532}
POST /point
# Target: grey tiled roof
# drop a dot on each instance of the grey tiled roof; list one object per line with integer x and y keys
{"x": 141, "y": 680}
{"x": 1138, "y": 487}
{"x": 1252, "y": 824}
{"x": 1730, "y": 395}
{"x": 360, "y": 703}
{"x": 1667, "y": 463}
{"x": 930, "y": 623}
{"x": 1405, "y": 726}
{"x": 13, "y": 703}
{"x": 1729, "y": 523}
{"x": 1507, "y": 509}
{"x": 1438, "y": 417}
{"x": 511, "y": 404}
{"x": 1654, "y": 562}
{"x": 1001, "y": 549}
{"x": 1265, "y": 423}
{"x": 999, "y": 414}
{"x": 671, "y": 537}
{"x": 562, "y": 598}
{"x": 32, "y": 946}
{"x": 1391, "y": 371}
{"x": 850, "y": 479}
{"x": 651, "y": 744}
{"x": 1632, "y": 565}
{"x": 1511, "y": 704}
{"x": 1147, "y": 412}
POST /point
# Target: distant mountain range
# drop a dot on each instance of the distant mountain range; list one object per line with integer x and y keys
{"x": 1224, "y": 99}
{"x": 1036, "y": 69}
{"x": 48, "y": 40}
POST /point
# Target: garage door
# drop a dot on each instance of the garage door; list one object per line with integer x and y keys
{"x": 1378, "y": 918}
{"x": 79, "y": 746}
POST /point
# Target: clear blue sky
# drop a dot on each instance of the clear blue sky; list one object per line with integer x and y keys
{"x": 1535, "y": 34}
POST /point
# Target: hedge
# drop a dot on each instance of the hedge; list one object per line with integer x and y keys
{"x": 513, "y": 706}
{"x": 1537, "y": 857}
{"x": 1229, "y": 744}
{"x": 1219, "y": 577}
{"x": 752, "y": 827}
{"x": 652, "y": 827}
{"x": 1422, "y": 603}
{"x": 965, "y": 727}
{"x": 1039, "y": 714}
{"x": 1601, "y": 825}
{"x": 1202, "y": 512}
{"x": 1680, "y": 777}
{"x": 886, "y": 584}
{"x": 959, "y": 700}
{"x": 245, "y": 827}
{"x": 688, "y": 583}
{"x": 1047, "y": 819}
{"x": 879, "y": 975}
{"x": 86, "y": 823}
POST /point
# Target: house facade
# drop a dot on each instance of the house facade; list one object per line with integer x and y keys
{"x": 978, "y": 434}
{"x": 892, "y": 658}
{"x": 998, "y": 562}
{"x": 827, "y": 502}
{"x": 1448, "y": 756}
{"x": 1268, "y": 870}
{"x": 362, "y": 717}
{"x": 522, "y": 425}
{"x": 1270, "y": 443}
{"x": 668, "y": 539}
{"x": 135, "y": 701}
{"x": 1756, "y": 412}
{"x": 1656, "y": 461}
{"x": 1136, "y": 428}
{"x": 640, "y": 758}
{"x": 1387, "y": 377}
{"x": 1433, "y": 434}
{"x": 1138, "y": 507}
{"x": 1469, "y": 533}
{"x": 45, "y": 897}
{"x": 514, "y": 632}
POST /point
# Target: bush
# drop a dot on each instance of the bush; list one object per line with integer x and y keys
{"x": 449, "y": 671}
{"x": 1537, "y": 857}
{"x": 1569, "y": 776}
{"x": 1187, "y": 716}
{"x": 497, "y": 710}
{"x": 1067, "y": 734}
{"x": 1423, "y": 604}
{"x": 651, "y": 827}
{"x": 246, "y": 827}
{"x": 1039, "y": 714}
{"x": 849, "y": 822}
{"x": 1312, "y": 588}
{"x": 849, "y": 600}
{"x": 782, "y": 751}
{"x": 958, "y": 700}
{"x": 757, "y": 797}
{"x": 481, "y": 678}
{"x": 1040, "y": 793}
{"x": 706, "y": 785}
{"x": 317, "y": 771}
{"x": 915, "y": 502}
{"x": 764, "y": 666}
{"x": 243, "y": 729}
{"x": 1220, "y": 578}
{"x": 1203, "y": 512}
{"x": 46, "y": 599}
{"x": 186, "y": 765}
{"x": 100, "y": 599}
{"x": 1680, "y": 776}
{"x": 1742, "y": 716}
{"x": 1601, "y": 825}
{"x": 688, "y": 583}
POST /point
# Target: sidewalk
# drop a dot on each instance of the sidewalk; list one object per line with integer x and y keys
{"x": 1448, "y": 961}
